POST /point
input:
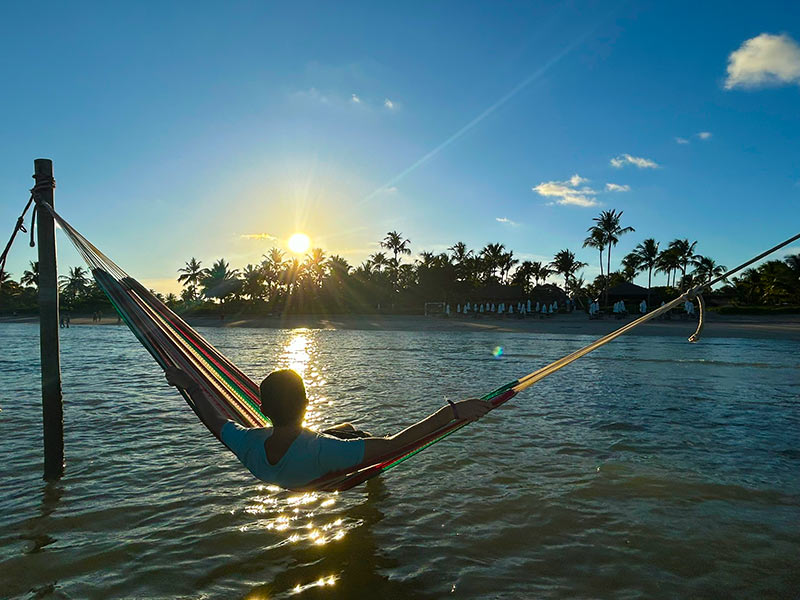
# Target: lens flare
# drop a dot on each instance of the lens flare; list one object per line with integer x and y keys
{"x": 497, "y": 352}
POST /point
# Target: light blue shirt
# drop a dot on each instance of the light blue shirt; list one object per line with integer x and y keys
{"x": 310, "y": 456}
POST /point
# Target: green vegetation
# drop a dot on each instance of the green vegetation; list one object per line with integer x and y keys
{"x": 384, "y": 282}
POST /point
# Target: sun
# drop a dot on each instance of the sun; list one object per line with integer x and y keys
{"x": 299, "y": 243}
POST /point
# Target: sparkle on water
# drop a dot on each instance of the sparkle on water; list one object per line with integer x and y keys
{"x": 656, "y": 468}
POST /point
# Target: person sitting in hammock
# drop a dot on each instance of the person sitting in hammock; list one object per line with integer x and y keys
{"x": 291, "y": 456}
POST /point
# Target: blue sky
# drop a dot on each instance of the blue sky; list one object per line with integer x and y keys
{"x": 178, "y": 129}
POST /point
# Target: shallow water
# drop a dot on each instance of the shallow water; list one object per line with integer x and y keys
{"x": 653, "y": 468}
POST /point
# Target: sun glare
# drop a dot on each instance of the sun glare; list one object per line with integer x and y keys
{"x": 299, "y": 243}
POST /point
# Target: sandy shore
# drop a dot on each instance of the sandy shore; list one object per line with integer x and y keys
{"x": 775, "y": 327}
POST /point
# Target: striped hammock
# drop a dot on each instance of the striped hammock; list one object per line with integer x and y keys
{"x": 173, "y": 343}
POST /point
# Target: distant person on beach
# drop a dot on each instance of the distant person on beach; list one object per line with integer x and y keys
{"x": 291, "y": 456}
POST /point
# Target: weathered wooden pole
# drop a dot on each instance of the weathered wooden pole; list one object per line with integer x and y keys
{"x": 52, "y": 407}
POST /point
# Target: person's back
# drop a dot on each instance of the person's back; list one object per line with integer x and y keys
{"x": 310, "y": 456}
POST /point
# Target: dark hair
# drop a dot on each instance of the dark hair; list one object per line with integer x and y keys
{"x": 283, "y": 397}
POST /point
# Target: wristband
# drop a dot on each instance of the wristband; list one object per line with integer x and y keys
{"x": 453, "y": 406}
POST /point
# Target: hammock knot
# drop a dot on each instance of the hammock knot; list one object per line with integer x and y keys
{"x": 43, "y": 183}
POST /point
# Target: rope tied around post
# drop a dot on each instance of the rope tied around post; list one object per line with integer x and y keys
{"x": 41, "y": 184}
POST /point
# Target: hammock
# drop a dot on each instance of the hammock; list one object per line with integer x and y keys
{"x": 173, "y": 343}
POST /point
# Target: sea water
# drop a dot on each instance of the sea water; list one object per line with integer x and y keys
{"x": 653, "y": 468}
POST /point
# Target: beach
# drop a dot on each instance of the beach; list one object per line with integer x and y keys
{"x": 716, "y": 326}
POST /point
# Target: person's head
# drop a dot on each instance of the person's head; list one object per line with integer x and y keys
{"x": 283, "y": 398}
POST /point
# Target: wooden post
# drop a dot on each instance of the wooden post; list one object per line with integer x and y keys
{"x": 52, "y": 407}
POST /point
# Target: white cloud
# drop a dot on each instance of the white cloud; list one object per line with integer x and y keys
{"x": 310, "y": 94}
{"x": 681, "y": 140}
{"x": 704, "y": 135}
{"x": 506, "y": 221}
{"x": 355, "y": 99}
{"x": 391, "y": 189}
{"x": 388, "y": 104}
{"x": 626, "y": 159}
{"x": 568, "y": 192}
{"x": 615, "y": 187}
{"x": 258, "y": 236}
{"x": 764, "y": 60}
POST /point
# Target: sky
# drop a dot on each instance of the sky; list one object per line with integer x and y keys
{"x": 214, "y": 130}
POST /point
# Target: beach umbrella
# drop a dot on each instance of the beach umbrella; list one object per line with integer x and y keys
{"x": 537, "y": 306}
{"x": 481, "y": 307}
{"x": 511, "y": 309}
{"x": 555, "y": 305}
{"x": 458, "y": 308}
{"x": 551, "y": 309}
{"x": 447, "y": 310}
{"x": 529, "y": 305}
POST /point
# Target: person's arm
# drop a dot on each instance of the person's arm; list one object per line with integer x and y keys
{"x": 207, "y": 412}
{"x": 467, "y": 410}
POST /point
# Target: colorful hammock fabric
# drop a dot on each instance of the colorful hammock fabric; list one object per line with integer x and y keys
{"x": 173, "y": 343}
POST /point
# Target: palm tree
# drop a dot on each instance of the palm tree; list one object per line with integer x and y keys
{"x": 220, "y": 281}
{"x": 462, "y": 259}
{"x": 316, "y": 265}
{"x": 523, "y": 275}
{"x": 378, "y": 261}
{"x": 273, "y": 266}
{"x": 684, "y": 251}
{"x": 609, "y": 224}
{"x": 706, "y": 269}
{"x": 507, "y": 262}
{"x": 5, "y": 277}
{"x": 540, "y": 272}
{"x": 75, "y": 283}
{"x": 338, "y": 265}
{"x": 395, "y": 243}
{"x": 668, "y": 262}
{"x": 646, "y": 253}
{"x": 191, "y": 276}
{"x": 564, "y": 263}
{"x": 596, "y": 239}
{"x": 492, "y": 256}
{"x": 793, "y": 262}
{"x": 253, "y": 282}
{"x": 31, "y": 276}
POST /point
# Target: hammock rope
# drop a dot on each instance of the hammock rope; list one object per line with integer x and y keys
{"x": 172, "y": 342}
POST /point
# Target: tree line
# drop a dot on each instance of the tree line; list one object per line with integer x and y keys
{"x": 385, "y": 281}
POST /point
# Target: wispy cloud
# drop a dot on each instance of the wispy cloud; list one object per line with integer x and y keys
{"x": 355, "y": 99}
{"x": 615, "y": 187}
{"x": 764, "y": 60}
{"x": 389, "y": 104}
{"x": 311, "y": 94}
{"x": 506, "y": 221}
{"x": 704, "y": 135}
{"x": 258, "y": 236}
{"x": 681, "y": 140}
{"x": 569, "y": 192}
{"x": 626, "y": 159}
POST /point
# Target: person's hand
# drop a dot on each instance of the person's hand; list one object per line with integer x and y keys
{"x": 179, "y": 378}
{"x": 472, "y": 409}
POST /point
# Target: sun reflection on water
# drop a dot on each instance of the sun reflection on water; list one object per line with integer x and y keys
{"x": 299, "y": 354}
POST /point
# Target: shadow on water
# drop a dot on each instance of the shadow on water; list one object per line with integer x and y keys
{"x": 34, "y": 530}
{"x": 356, "y": 563}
